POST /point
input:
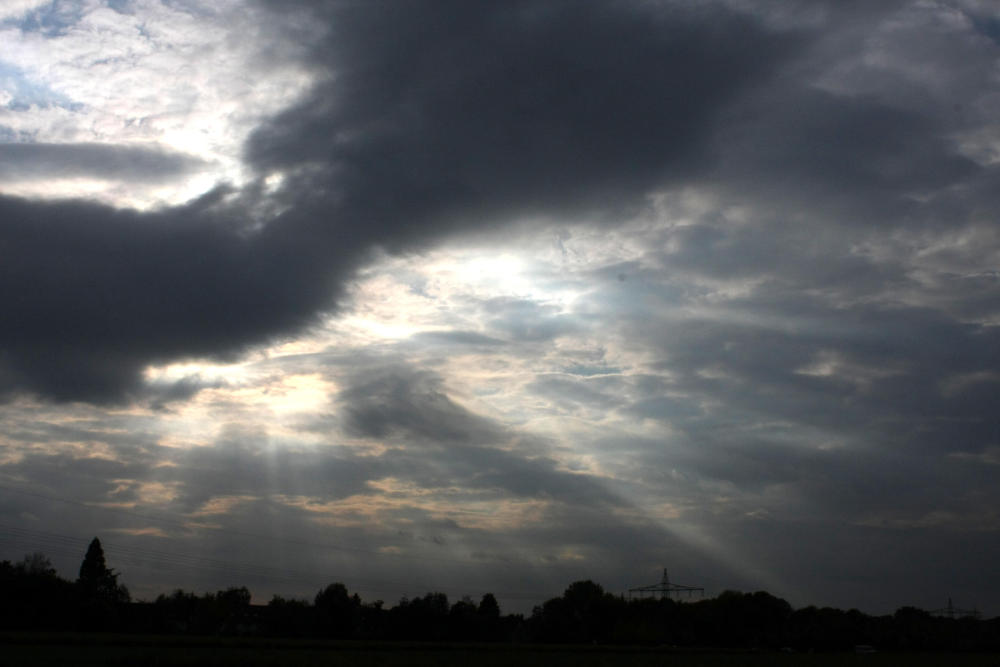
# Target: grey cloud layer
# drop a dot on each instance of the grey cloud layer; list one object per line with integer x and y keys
{"x": 30, "y": 161}
{"x": 243, "y": 483}
{"x": 93, "y": 295}
{"x": 436, "y": 117}
{"x": 799, "y": 353}
{"x": 472, "y": 113}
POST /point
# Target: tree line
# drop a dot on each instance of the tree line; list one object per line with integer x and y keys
{"x": 34, "y": 598}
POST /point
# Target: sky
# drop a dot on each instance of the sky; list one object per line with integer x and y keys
{"x": 496, "y": 296}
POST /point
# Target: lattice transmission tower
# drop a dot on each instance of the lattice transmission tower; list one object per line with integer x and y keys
{"x": 665, "y": 589}
{"x": 951, "y": 611}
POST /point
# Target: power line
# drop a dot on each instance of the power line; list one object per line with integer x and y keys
{"x": 272, "y": 538}
{"x": 68, "y": 545}
{"x": 665, "y": 589}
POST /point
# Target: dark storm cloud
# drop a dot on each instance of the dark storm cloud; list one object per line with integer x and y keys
{"x": 91, "y": 294}
{"x": 435, "y": 116}
{"x": 32, "y": 161}
{"x": 851, "y": 160}
{"x": 798, "y": 370}
{"x": 159, "y": 395}
{"x": 462, "y": 113}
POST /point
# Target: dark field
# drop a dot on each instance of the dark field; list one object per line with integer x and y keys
{"x": 30, "y": 649}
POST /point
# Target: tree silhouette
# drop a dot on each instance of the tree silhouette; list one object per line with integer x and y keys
{"x": 424, "y": 619}
{"x": 34, "y": 597}
{"x": 94, "y": 566}
{"x": 489, "y": 618}
{"x": 463, "y": 620}
{"x": 37, "y": 563}
{"x": 231, "y": 608}
{"x": 488, "y": 607}
{"x": 584, "y": 613}
{"x": 97, "y": 580}
{"x": 289, "y": 617}
{"x": 101, "y": 596}
{"x": 338, "y": 613}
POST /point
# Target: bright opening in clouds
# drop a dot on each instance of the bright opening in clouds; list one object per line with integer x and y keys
{"x": 135, "y": 103}
{"x": 495, "y": 296}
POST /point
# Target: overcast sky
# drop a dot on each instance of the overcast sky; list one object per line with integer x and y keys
{"x": 495, "y": 296}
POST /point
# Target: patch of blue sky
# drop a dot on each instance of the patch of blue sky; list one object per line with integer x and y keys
{"x": 191, "y": 7}
{"x": 9, "y": 135}
{"x": 121, "y": 6}
{"x": 22, "y": 93}
{"x": 51, "y": 20}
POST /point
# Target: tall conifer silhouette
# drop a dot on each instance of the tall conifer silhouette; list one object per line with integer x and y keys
{"x": 94, "y": 567}
{"x": 96, "y": 579}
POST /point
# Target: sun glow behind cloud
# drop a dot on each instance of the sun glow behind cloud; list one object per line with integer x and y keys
{"x": 498, "y": 274}
{"x": 614, "y": 327}
{"x": 398, "y": 298}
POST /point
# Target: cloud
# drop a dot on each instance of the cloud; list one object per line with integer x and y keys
{"x": 546, "y": 284}
{"x": 28, "y": 161}
{"x": 859, "y": 160}
{"x": 455, "y": 338}
{"x": 397, "y": 401}
{"x": 470, "y": 114}
{"x": 18, "y": 8}
{"x": 95, "y": 294}
{"x": 507, "y": 112}
{"x": 143, "y": 73}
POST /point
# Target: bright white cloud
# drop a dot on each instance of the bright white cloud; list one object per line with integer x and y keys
{"x": 189, "y": 79}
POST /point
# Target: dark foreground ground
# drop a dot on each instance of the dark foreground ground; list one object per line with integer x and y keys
{"x": 77, "y": 649}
